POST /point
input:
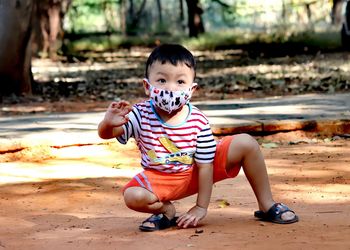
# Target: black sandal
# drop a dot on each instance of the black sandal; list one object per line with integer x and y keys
{"x": 274, "y": 214}
{"x": 160, "y": 222}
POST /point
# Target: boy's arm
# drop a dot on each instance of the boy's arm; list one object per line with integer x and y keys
{"x": 205, "y": 177}
{"x": 115, "y": 117}
{"x": 108, "y": 131}
{"x": 199, "y": 211}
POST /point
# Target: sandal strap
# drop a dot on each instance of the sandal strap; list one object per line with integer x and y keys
{"x": 278, "y": 209}
{"x": 160, "y": 222}
{"x": 154, "y": 218}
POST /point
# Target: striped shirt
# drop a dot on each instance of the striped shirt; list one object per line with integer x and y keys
{"x": 167, "y": 148}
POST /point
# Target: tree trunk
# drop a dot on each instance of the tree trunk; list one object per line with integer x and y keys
{"x": 160, "y": 17}
{"x": 16, "y": 18}
{"x": 123, "y": 15}
{"x": 336, "y": 12}
{"x": 48, "y": 26}
{"x": 182, "y": 16}
{"x": 135, "y": 17}
{"x": 195, "y": 23}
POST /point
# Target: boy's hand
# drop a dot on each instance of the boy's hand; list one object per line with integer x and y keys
{"x": 116, "y": 114}
{"x": 192, "y": 217}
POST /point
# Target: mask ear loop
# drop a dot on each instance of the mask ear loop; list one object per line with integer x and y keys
{"x": 192, "y": 88}
{"x": 148, "y": 83}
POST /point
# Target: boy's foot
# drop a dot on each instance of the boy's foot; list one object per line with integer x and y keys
{"x": 274, "y": 214}
{"x": 157, "y": 222}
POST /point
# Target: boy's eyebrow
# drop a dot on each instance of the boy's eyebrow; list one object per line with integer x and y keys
{"x": 165, "y": 74}
{"x": 160, "y": 74}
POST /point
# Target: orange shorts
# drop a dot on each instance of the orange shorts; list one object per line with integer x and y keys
{"x": 174, "y": 186}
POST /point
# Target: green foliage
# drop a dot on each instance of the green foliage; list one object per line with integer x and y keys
{"x": 113, "y": 16}
{"x": 90, "y": 16}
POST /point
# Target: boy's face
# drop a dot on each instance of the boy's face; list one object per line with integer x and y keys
{"x": 169, "y": 77}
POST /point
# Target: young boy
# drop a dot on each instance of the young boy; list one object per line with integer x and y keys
{"x": 178, "y": 152}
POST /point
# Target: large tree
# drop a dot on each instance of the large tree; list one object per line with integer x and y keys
{"x": 16, "y": 18}
{"x": 20, "y": 22}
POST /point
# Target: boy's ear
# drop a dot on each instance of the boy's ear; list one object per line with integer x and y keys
{"x": 146, "y": 86}
{"x": 194, "y": 86}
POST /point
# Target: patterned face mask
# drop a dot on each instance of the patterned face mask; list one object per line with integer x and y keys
{"x": 170, "y": 100}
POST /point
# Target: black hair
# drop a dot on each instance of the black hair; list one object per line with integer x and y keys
{"x": 171, "y": 53}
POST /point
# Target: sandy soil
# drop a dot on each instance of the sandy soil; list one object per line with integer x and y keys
{"x": 82, "y": 208}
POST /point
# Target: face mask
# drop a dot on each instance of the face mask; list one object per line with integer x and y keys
{"x": 170, "y": 100}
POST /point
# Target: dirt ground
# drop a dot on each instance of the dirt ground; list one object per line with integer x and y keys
{"x": 70, "y": 198}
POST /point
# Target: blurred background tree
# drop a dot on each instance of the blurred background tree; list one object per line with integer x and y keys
{"x": 27, "y": 27}
{"x": 16, "y": 19}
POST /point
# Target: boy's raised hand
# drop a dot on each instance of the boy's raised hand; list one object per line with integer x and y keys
{"x": 116, "y": 114}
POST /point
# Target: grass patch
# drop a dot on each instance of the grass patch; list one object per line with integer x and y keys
{"x": 100, "y": 43}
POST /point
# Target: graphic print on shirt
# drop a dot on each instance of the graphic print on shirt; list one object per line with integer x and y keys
{"x": 175, "y": 156}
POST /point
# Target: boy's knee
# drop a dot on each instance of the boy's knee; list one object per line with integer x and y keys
{"x": 245, "y": 143}
{"x": 135, "y": 197}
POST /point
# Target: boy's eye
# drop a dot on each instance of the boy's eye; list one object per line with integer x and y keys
{"x": 181, "y": 82}
{"x": 161, "y": 81}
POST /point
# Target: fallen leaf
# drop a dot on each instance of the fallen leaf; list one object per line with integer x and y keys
{"x": 223, "y": 203}
{"x": 269, "y": 145}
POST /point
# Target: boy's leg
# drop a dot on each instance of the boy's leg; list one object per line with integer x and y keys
{"x": 245, "y": 151}
{"x": 142, "y": 200}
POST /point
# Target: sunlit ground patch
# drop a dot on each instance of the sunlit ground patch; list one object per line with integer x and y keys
{"x": 92, "y": 161}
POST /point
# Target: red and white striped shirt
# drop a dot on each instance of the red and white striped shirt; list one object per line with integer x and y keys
{"x": 169, "y": 148}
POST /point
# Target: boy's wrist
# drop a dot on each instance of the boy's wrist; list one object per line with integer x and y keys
{"x": 201, "y": 207}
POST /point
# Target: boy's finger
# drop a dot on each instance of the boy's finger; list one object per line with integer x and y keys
{"x": 179, "y": 221}
{"x": 189, "y": 222}
{"x": 124, "y": 105}
{"x": 124, "y": 102}
{"x": 196, "y": 221}
{"x": 185, "y": 221}
{"x": 113, "y": 105}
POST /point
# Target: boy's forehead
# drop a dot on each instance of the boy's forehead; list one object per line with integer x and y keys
{"x": 168, "y": 68}
{"x": 159, "y": 64}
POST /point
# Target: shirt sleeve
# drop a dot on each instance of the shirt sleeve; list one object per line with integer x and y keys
{"x": 132, "y": 128}
{"x": 206, "y": 146}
